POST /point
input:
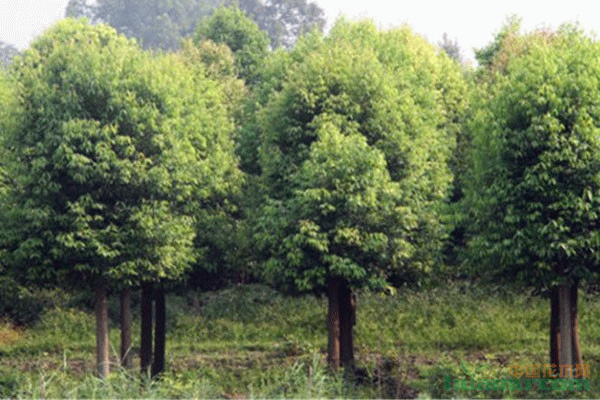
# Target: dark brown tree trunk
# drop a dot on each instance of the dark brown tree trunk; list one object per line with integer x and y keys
{"x": 333, "y": 324}
{"x": 146, "y": 328}
{"x": 577, "y": 358}
{"x": 565, "y": 327}
{"x": 158, "y": 365}
{"x": 347, "y": 318}
{"x": 126, "y": 318}
{"x": 565, "y": 351}
{"x": 554, "y": 328}
{"x": 101, "y": 308}
{"x": 340, "y": 323}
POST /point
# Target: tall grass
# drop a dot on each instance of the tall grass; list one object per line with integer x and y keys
{"x": 463, "y": 318}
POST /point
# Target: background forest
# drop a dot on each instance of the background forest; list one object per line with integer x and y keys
{"x": 203, "y": 200}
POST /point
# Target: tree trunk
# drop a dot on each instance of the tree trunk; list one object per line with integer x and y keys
{"x": 347, "y": 302}
{"x": 565, "y": 326}
{"x": 340, "y": 323}
{"x": 158, "y": 366}
{"x": 126, "y": 318}
{"x": 333, "y": 324}
{"x": 101, "y": 306}
{"x": 146, "y": 328}
{"x": 565, "y": 351}
{"x": 554, "y": 328}
{"x": 577, "y": 358}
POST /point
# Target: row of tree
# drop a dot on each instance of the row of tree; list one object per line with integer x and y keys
{"x": 347, "y": 161}
{"x": 161, "y": 24}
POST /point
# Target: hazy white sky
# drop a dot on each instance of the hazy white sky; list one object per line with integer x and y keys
{"x": 471, "y": 22}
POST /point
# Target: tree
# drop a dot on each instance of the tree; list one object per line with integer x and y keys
{"x": 536, "y": 176}
{"x": 163, "y": 23}
{"x": 221, "y": 241}
{"x": 354, "y": 157}
{"x": 113, "y": 151}
{"x": 81, "y": 9}
{"x": 451, "y": 48}
{"x": 9, "y": 114}
{"x": 284, "y": 20}
{"x": 157, "y": 24}
{"x": 488, "y": 54}
{"x": 7, "y": 53}
{"x": 339, "y": 221}
{"x": 245, "y": 39}
{"x": 125, "y": 322}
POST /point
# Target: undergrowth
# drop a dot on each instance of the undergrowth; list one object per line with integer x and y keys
{"x": 252, "y": 342}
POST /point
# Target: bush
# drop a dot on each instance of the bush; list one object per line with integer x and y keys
{"x": 18, "y": 304}
{"x": 241, "y": 303}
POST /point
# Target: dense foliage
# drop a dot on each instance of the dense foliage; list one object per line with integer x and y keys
{"x": 537, "y": 173}
{"x": 355, "y": 157}
{"x": 110, "y": 163}
{"x": 245, "y": 39}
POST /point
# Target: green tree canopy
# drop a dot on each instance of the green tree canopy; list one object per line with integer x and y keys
{"x": 231, "y": 26}
{"x": 114, "y": 151}
{"x": 384, "y": 86}
{"x": 8, "y": 117}
{"x": 490, "y": 54}
{"x": 218, "y": 222}
{"x": 536, "y": 161}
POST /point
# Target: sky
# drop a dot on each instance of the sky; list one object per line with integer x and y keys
{"x": 471, "y": 23}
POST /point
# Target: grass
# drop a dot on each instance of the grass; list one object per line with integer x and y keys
{"x": 249, "y": 341}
